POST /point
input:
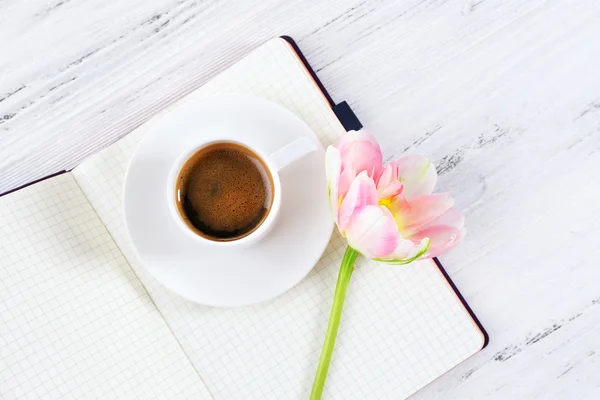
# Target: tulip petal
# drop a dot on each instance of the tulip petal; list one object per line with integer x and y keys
{"x": 333, "y": 168}
{"x": 452, "y": 217}
{"x": 407, "y": 252}
{"x": 442, "y": 238}
{"x": 372, "y": 232}
{"x": 417, "y": 174}
{"x": 362, "y": 156}
{"x": 411, "y": 216}
{"x": 361, "y": 135}
{"x": 346, "y": 179}
{"x": 388, "y": 185}
{"x": 388, "y": 191}
{"x": 360, "y": 152}
{"x": 388, "y": 175}
{"x": 362, "y": 193}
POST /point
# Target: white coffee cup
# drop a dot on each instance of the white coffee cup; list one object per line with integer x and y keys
{"x": 274, "y": 162}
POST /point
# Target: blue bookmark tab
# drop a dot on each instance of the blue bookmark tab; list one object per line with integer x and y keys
{"x": 347, "y": 117}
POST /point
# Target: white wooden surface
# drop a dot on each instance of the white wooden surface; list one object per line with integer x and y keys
{"x": 503, "y": 94}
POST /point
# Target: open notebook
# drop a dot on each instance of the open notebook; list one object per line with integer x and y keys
{"x": 79, "y": 315}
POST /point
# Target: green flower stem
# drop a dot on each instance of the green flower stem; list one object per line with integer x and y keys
{"x": 341, "y": 287}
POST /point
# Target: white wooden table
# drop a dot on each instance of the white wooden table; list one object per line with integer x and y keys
{"x": 503, "y": 94}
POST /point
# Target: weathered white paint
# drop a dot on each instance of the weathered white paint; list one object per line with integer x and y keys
{"x": 503, "y": 95}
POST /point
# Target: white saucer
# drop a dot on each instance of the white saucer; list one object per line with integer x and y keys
{"x": 217, "y": 276}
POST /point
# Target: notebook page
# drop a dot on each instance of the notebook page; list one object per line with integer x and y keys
{"x": 402, "y": 327}
{"x": 75, "y": 322}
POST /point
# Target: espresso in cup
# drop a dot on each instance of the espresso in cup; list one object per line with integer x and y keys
{"x": 224, "y": 191}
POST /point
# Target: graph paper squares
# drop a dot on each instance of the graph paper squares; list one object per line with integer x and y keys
{"x": 75, "y": 320}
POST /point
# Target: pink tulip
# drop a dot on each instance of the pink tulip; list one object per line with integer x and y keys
{"x": 387, "y": 214}
{"x": 358, "y": 152}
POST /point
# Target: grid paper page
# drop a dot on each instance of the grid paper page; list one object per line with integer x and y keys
{"x": 402, "y": 327}
{"x": 75, "y": 322}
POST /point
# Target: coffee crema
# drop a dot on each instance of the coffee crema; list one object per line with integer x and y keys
{"x": 224, "y": 191}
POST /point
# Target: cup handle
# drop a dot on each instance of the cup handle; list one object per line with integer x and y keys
{"x": 293, "y": 151}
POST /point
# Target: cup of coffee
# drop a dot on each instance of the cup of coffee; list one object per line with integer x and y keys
{"x": 226, "y": 193}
